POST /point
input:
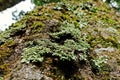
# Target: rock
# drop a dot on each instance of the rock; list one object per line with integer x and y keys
{"x": 28, "y": 72}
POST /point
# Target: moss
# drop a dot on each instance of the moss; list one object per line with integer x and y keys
{"x": 5, "y": 51}
{"x": 5, "y": 48}
{"x": 75, "y": 33}
{"x": 37, "y": 26}
{"x": 4, "y": 69}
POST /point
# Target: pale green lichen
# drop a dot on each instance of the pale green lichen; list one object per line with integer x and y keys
{"x": 70, "y": 49}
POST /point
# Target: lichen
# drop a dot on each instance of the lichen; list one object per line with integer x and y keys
{"x": 72, "y": 39}
{"x": 65, "y": 44}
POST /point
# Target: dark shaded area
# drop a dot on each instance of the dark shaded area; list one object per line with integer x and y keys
{"x": 68, "y": 68}
{"x": 62, "y": 38}
{"x": 4, "y": 4}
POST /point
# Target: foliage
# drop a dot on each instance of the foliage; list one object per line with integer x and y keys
{"x": 114, "y": 3}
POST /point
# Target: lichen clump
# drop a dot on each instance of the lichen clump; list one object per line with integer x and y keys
{"x": 64, "y": 44}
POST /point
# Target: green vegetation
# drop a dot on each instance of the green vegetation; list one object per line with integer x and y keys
{"x": 68, "y": 40}
{"x": 114, "y": 3}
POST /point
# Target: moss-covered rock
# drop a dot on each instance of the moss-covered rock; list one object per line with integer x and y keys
{"x": 68, "y": 40}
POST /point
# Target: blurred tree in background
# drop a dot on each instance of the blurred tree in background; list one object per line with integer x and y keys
{"x": 114, "y": 3}
{"x": 8, "y": 3}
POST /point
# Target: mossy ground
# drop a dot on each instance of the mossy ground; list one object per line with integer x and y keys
{"x": 99, "y": 27}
